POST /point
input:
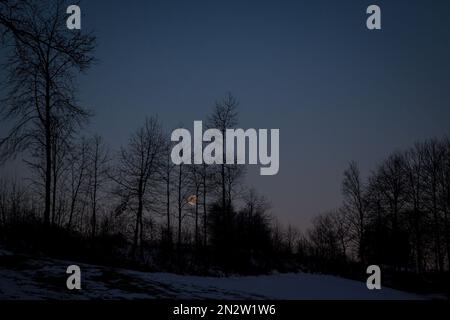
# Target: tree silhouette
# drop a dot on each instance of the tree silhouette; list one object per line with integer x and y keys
{"x": 138, "y": 168}
{"x": 355, "y": 204}
{"x": 41, "y": 69}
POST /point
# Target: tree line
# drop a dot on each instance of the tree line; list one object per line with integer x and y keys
{"x": 78, "y": 186}
{"x": 134, "y": 204}
{"x": 398, "y": 216}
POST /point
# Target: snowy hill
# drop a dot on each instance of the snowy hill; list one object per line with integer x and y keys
{"x": 23, "y": 277}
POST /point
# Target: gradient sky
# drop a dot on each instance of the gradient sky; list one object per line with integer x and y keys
{"x": 336, "y": 91}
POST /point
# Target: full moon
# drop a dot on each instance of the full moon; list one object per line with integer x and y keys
{"x": 192, "y": 200}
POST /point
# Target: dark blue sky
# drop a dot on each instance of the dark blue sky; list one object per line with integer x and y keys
{"x": 336, "y": 91}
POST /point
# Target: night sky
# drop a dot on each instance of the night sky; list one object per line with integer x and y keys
{"x": 337, "y": 91}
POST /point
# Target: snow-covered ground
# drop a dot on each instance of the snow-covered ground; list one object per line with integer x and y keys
{"x": 23, "y": 277}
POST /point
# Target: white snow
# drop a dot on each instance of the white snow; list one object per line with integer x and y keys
{"x": 39, "y": 278}
{"x": 291, "y": 286}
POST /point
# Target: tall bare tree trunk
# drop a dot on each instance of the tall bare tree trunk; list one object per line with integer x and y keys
{"x": 94, "y": 204}
{"x": 49, "y": 59}
{"x": 141, "y": 233}
{"x": 179, "y": 208}
{"x": 75, "y": 193}
{"x": 55, "y": 178}
{"x": 197, "y": 237}
{"x": 137, "y": 231}
{"x": 135, "y": 237}
{"x": 204, "y": 208}
{"x": 48, "y": 154}
{"x": 169, "y": 230}
{"x": 437, "y": 234}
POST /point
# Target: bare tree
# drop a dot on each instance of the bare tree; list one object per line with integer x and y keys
{"x": 254, "y": 202}
{"x": 77, "y": 175}
{"x": 98, "y": 172}
{"x": 292, "y": 236}
{"x": 196, "y": 182}
{"x": 234, "y": 181}
{"x": 41, "y": 70}
{"x": 167, "y": 172}
{"x": 224, "y": 117}
{"x": 445, "y": 197}
{"x": 355, "y": 204}
{"x": 182, "y": 200}
{"x": 433, "y": 169}
{"x": 205, "y": 174}
{"x": 60, "y": 145}
{"x": 3, "y": 202}
{"x": 137, "y": 170}
{"x": 324, "y": 238}
{"x": 414, "y": 170}
{"x": 342, "y": 228}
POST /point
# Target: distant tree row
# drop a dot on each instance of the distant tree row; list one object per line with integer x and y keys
{"x": 134, "y": 203}
{"x": 186, "y": 211}
{"x": 81, "y": 187}
{"x": 399, "y": 216}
